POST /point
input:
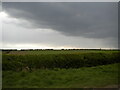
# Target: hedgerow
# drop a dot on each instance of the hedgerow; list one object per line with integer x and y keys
{"x": 50, "y": 61}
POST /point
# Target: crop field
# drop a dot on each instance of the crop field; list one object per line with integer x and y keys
{"x": 60, "y": 69}
{"x": 35, "y": 52}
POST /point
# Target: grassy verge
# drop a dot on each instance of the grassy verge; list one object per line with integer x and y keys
{"x": 99, "y": 76}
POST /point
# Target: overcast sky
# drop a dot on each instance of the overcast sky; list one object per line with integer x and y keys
{"x": 59, "y": 25}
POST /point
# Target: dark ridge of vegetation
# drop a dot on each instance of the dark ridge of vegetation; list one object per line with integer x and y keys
{"x": 58, "y": 49}
{"x": 50, "y": 61}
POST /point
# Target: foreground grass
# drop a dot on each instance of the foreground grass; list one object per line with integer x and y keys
{"x": 99, "y": 76}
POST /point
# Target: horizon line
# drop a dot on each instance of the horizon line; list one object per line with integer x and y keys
{"x": 63, "y": 49}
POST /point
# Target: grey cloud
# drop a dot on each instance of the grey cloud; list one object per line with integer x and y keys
{"x": 0, "y": 6}
{"x": 90, "y": 20}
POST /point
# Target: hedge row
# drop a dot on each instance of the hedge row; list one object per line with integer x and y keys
{"x": 20, "y": 62}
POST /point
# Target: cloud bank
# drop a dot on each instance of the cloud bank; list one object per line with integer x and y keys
{"x": 78, "y": 19}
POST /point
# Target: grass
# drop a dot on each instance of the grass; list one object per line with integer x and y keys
{"x": 59, "y": 52}
{"x": 60, "y": 69}
{"x": 86, "y": 77}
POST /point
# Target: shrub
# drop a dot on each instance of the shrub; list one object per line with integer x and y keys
{"x": 50, "y": 61}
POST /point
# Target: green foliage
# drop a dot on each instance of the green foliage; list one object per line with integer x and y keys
{"x": 18, "y": 62}
{"x": 85, "y": 77}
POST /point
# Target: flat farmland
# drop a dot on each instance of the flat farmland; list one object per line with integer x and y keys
{"x": 60, "y": 68}
{"x": 59, "y": 52}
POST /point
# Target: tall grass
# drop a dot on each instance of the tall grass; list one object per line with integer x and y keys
{"x": 88, "y": 77}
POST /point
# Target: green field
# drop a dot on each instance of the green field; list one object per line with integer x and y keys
{"x": 60, "y": 69}
{"x": 59, "y": 52}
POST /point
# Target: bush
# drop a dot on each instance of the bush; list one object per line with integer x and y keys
{"x": 50, "y": 61}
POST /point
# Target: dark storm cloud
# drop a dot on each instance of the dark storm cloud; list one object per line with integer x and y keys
{"x": 91, "y": 20}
